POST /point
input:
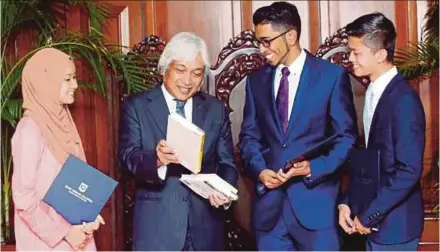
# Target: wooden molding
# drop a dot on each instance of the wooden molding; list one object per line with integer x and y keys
{"x": 314, "y": 26}
{"x": 405, "y": 22}
{"x": 156, "y": 18}
{"x": 412, "y": 22}
{"x": 8, "y": 247}
{"x": 246, "y": 15}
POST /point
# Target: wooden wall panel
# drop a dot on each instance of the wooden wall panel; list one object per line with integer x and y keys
{"x": 96, "y": 116}
{"x": 212, "y": 20}
{"x": 406, "y": 23}
{"x": 146, "y": 17}
{"x": 156, "y": 21}
{"x": 336, "y": 14}
{"x": 402, "y": 23}
{"x": 246, "y": 15}
{"x": 303, "y": 9}
{"x": 315, "y": 26}
{"x": 136, "y": 18}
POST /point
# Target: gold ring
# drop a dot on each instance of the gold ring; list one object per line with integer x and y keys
{"x": 82, "y": 245}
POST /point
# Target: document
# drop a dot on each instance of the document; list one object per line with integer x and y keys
{"x": 313, "y": 151}
{"x": 79, "y": 191}
{"x": 209, "y": 184}
{"x": 364, "y": 179}
{"x": 187, "y": 140}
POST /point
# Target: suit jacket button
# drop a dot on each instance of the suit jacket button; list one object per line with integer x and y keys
{"x": 185, "y": 198}
{"x": 284, "y": 146}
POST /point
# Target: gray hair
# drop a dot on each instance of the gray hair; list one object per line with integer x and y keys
{"x": 184, "y": 46}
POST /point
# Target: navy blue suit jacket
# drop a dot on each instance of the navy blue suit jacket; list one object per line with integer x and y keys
{"x": 398, "y": 131}
{"x": 323, "y": 106}
{"x": 164, "y": 210}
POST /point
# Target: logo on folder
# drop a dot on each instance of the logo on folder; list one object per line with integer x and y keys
{"x": 83, "y": 187}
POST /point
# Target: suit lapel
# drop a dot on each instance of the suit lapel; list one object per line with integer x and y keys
{"x": 199, "y": 111}
{"x": 159, "y": 109}
{"x": 305, "y": 81}
{"x": 269, "y": 91}
{"x": 381, "y": 102}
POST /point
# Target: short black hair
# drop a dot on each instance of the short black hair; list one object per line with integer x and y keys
{"x": 279, "y": 15}
{"x": 376, "y": 31}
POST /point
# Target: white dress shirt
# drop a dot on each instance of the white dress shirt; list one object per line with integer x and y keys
{"x": 171, "y": 103}
{"x": 295, "y": 70}
{"x": 372, "y": 96}
{"x": 295, "y": 73}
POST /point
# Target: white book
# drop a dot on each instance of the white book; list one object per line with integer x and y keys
{"x": 187, "y": 140}
{"x": 209, "y": 184}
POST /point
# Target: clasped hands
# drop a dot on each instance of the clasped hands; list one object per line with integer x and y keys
{"x": 166, "y": 155}
{"x": 348, "y": 225}
{"x": 79, "y": 235}
{"x": 273, "y": 179}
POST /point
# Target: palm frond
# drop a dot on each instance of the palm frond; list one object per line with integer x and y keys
{"x": 431, "y": 26}
{"x": 418, "y": 59}
{"x": 41, "y": 15}
{"x": 12, "y": 111}
{"x": 6, "y": 156}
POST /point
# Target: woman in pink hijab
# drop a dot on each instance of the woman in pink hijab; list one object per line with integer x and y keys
{"x": 43, "y": 140}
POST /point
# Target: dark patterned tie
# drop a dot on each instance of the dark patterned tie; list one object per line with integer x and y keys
{"x": 179, "y": 107}
{"x": 283, "y": 99}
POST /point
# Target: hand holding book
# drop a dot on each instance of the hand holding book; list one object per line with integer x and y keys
{"x": 187, "y": 142}
{"x": 207, "y": 185}
{"x": 216, "y": 200}
{"x": 299, "y": 167}
{"x": 166, "y": 154}
{"x": 299, "y": 162}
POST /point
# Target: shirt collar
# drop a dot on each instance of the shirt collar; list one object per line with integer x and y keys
{"x": 383, "y": 80}
{"x": 170, "y": 99}
{"x": 297, "y": 65}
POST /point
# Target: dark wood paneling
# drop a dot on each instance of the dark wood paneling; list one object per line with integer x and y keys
{"x": 96, "y": 120}
{"x": 156, "y": 18}
{"x": 314, "y": 26}
{"x": 429, "y": 241}
{"x": 412, "y": 21}
{"x": 8, "y": 247}
{"x": 246, "y": 15}
{"x": 405, "y": 22}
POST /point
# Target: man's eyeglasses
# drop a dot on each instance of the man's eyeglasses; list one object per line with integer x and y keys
{"x": 266, "y": 42}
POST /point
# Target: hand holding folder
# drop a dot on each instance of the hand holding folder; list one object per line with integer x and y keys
{"x": 79, "y": 191}
{"x": 312, "y": 152}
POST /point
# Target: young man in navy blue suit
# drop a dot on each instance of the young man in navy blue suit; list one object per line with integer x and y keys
{"x": 293, "y": 103}
{"x": 394, "y": 124}
{"x": 167, "y": 214}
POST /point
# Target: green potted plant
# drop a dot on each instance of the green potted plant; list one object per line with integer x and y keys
{"x": 420, "y": 60}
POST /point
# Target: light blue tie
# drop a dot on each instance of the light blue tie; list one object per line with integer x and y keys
{"x": 180, "y": 107}
{"x": 368, "y": 112}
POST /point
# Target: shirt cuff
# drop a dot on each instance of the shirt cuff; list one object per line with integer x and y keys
{"x": 162, "y": 172}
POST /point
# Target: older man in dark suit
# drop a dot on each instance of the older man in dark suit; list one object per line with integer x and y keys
{"x": 168, "y": 215}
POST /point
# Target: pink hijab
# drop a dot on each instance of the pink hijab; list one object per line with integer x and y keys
{"x": 42, "y": 79}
